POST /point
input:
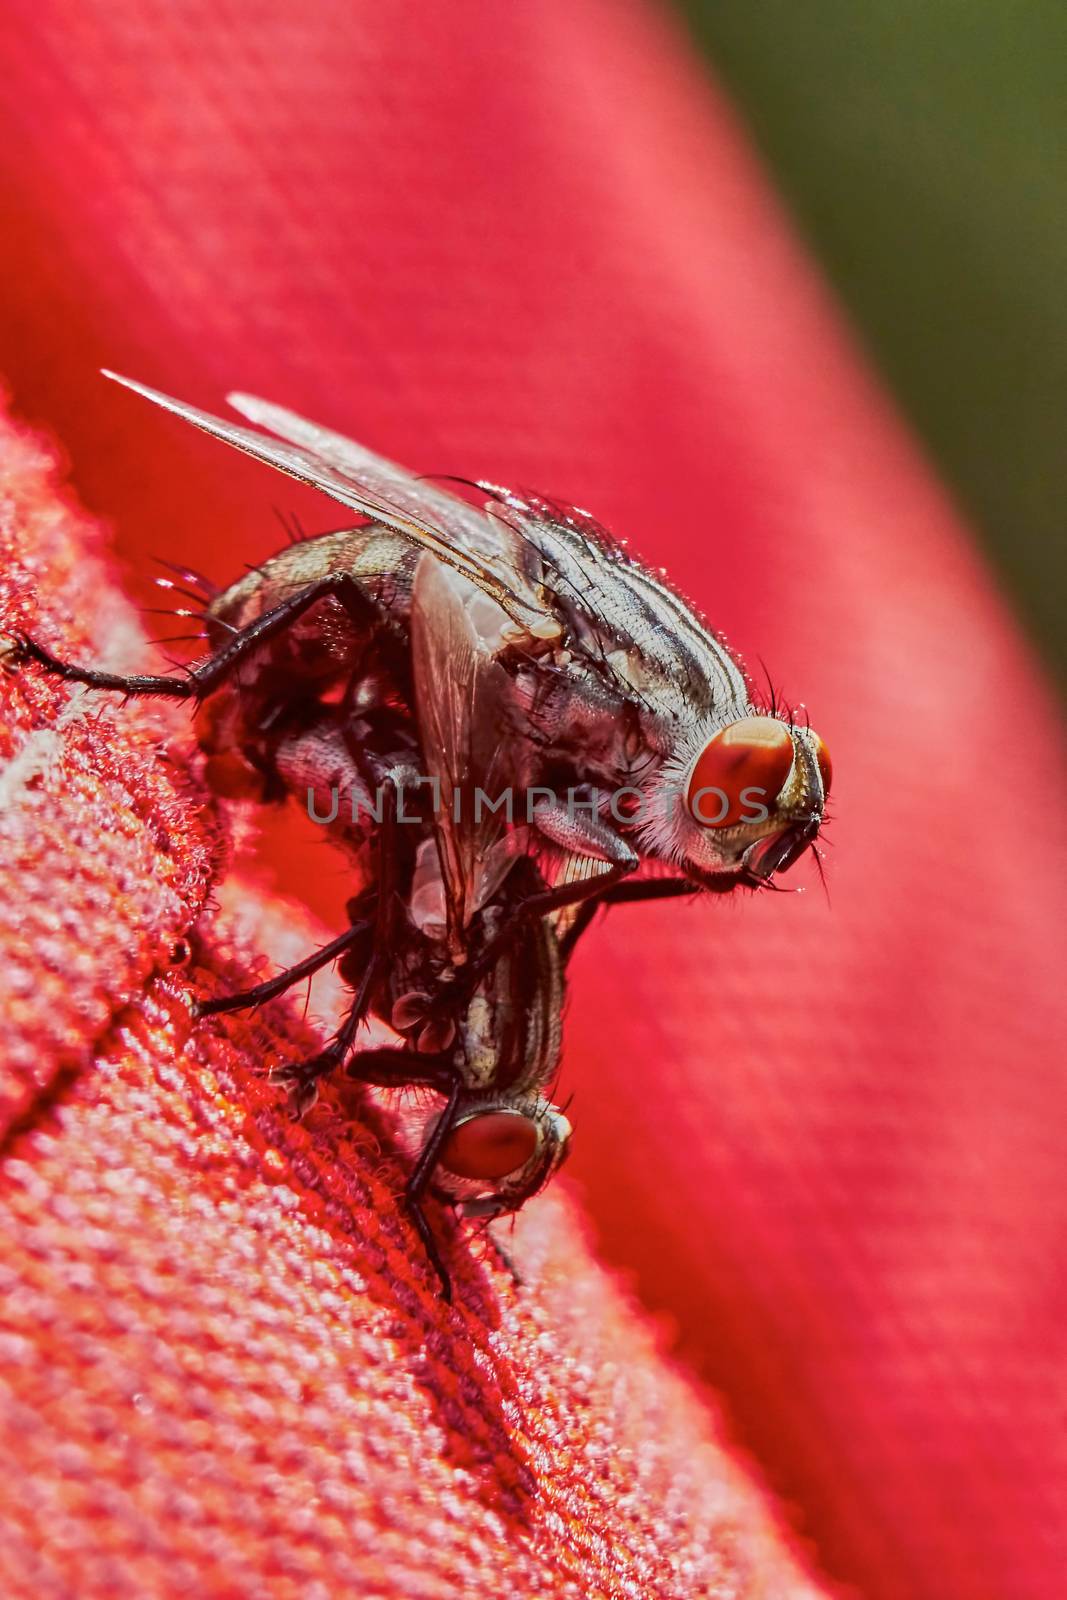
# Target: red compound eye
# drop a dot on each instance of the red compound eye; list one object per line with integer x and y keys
{"x": 490, "y": 1145}
{"x": 826, "y": 767}
{"x": 742, "y": 768}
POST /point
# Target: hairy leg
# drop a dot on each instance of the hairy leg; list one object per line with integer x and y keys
{"x": 207, "y": 676}
{"x": 263, "y": 992}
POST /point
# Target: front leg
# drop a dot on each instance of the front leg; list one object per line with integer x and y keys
{"x": 303, "y": 1076}
{"x": 401, "y": 1069}
{"x": 203, "y": 679}
{"x": 586, "y": 837}
{"x": 420, "y": 1178}
{"x": 622, "y": 894}
{"x": 503, "y": 1255}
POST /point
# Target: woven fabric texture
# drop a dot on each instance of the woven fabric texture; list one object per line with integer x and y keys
{"x": 528, "y": 242}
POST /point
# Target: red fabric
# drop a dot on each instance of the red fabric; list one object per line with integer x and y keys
{"x": 527, "y": 242}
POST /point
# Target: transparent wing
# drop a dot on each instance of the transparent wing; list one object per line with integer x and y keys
{"x": 388, "y": 485}
{"x": 460, "y": 692}
{"x": 429, "y": 517}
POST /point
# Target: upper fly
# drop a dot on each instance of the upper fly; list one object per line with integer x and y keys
{"x": 616, "y": 686}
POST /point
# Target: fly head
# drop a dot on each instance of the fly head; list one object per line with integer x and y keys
{"x": 739, "y": 803}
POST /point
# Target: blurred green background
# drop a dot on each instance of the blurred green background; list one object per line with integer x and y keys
{"x": 922, "y": 146}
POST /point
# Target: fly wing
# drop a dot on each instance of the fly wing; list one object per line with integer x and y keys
{"x": 383, "y": 482}
{"x": 429, "y": 517}
{"x": 460, "y": 695}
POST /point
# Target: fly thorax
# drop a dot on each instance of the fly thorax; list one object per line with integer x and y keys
{"x": 575, "y": 716}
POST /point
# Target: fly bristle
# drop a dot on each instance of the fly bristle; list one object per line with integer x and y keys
{"x": 185, "y": 611}
{"x": 773, "y": 704}
{"x": 820, "y": 869}
{"x": 208, "y": 590}
{"x": 291, "y": 526}
{"x": 176, "y": 588}
{"x": 177, "y": 638}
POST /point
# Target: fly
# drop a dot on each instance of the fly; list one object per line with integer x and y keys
{"x": 509, "y": 648}
{"x": 626, "y": 727}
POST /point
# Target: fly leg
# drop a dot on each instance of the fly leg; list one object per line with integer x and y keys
{"x": 303, "y": 1076}
{"x": 650, "y": 889}
{"x": 507, "y": 1260}
{"x": 204, "y": 678}
{"x": 582, "y": 918}
{"x": 417, "y": 1184}
{"x": 589, "y": 838}
{"x": 262, "y": 992}
{"x": 403, "y": 1069}
{"x": 622, "y": 894}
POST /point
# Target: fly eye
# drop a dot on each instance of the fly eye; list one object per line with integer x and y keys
{"x": 741, "y": 770}
{"x": 826, "y": 767}
{"x": 491, "y": 1144}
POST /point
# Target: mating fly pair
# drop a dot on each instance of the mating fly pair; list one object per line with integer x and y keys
{"x": 512, "y": 642}
{"x": 482, "y": 1031}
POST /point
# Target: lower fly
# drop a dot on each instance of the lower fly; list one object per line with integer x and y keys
{"x": 489, "y": 1050}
